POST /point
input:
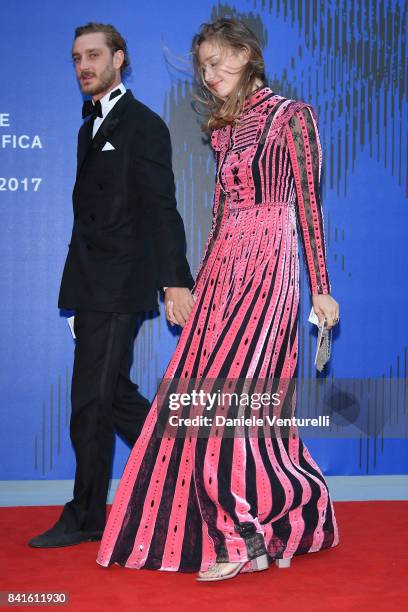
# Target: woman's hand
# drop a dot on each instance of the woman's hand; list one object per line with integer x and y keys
{"x": 178, "y": 302}
{"x": 326, "y": 306}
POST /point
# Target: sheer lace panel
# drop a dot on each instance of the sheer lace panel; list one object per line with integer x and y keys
{"x": 306, "y": 159}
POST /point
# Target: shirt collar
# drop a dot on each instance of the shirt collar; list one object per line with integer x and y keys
{"x": 107, "y": 104}
{"x": 257, "y": 96}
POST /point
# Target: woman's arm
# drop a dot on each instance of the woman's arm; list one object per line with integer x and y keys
{"x": 306, "y": 158}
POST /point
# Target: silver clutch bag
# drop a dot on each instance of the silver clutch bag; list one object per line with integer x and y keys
{"x": 323, "y": 346}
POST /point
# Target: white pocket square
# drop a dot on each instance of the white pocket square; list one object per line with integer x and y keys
{"x": 108, "y": 147}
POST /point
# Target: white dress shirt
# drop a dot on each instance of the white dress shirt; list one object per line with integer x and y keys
{"x": 107, "y": 106}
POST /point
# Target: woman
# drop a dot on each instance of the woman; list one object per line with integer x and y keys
{"x": 214, "y": 503}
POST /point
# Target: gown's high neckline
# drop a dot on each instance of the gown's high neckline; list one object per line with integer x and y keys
{"x": 256, "y": 96}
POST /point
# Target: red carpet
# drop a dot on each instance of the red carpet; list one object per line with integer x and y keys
{"x": 368, "y": 570}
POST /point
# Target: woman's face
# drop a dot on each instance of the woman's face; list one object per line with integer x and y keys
{"x": 221, "y": 67}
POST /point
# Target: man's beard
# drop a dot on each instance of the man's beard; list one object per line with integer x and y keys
{"x": 106, "y": 79}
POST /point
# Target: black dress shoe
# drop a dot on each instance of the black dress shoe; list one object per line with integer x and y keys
{"x": 59, "y": 536}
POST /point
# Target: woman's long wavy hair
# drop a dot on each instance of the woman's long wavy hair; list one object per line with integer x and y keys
{"x": 236, "y": 35}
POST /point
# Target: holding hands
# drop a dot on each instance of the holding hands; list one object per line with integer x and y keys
{"x": 178, "y": 302}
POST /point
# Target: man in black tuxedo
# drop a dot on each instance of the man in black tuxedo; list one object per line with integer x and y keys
{"x": 127, "y": 242}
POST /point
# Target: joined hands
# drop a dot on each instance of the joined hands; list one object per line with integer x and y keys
{"x": 178, "y": 302}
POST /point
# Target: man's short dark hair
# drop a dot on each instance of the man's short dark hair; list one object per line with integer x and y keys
{"x": 114, "y": 39}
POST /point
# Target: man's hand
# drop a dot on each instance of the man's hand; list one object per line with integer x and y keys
{"x": 326, "y": 306}
{"x": 178, "y": 302}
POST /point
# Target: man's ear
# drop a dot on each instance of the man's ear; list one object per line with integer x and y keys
{"x": 118, "y": 59}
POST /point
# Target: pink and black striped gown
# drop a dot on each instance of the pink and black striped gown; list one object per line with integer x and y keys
{"x": 183, "y": 503}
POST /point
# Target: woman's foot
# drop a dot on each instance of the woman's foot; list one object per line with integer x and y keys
{"x": 223, "y": 571}
{"x": 283, "y": 563}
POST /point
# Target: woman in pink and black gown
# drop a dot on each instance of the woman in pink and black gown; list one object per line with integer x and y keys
{"x": 216, "y": 504}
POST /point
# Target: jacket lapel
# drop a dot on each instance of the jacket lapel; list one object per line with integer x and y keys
{"x": 86, "y": 143}
{"x": 106, "y": 129}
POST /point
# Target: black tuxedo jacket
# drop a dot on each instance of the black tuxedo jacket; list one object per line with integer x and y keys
{"x": 128, "y": 238}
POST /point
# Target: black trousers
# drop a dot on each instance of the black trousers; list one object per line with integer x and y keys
{"x": 104, "y": 400}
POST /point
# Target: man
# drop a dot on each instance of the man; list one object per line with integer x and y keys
{"x": 127, "y": 242}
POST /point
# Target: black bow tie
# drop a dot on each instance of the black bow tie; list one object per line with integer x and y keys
{"x": 95, "y": 109}
{"x": 89, "y": 108}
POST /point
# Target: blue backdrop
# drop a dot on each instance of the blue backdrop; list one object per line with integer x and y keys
{"x": 347, "y": 58}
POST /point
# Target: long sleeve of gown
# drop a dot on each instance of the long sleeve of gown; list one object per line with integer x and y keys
{"x": 306, "y": 158}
